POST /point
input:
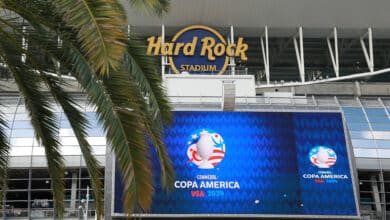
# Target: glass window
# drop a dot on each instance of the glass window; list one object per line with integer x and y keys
{"x": 16, "y": 142}
{"x": 23, "y": 133}
{"x": 95, "y": 132}
{"x": 22, "y": 117}
{"x": 355, "y": 118}
{"x": 41, "y": 183}
{"x": 380, "y": 126}
{"x": 383, "y": 143}
{"x": 65, "y": 124}
{"x": 20, "y": 151}
{"x": 70, "y": 150}
{"x": 361, "y": 152}
{"x": 66, "y": 132}
{"x": 37, "y": 150}
{"x": 378, "y": 119}
{"x": 18, "y": 174}
{"x": 361, "y": 134}
{"x": 99, "y": 150}
{"x": 22, "y": 124}
{"x": 384, "y": 153}
{"x": 358, "y": 126}
{"x": 40, "y": 173}
{"x": 91, "y": 116}
{"x": 363, "y": 143}
{"x": 375, "y": 112}
{"x": 381, "y": 135}
{"x": 353, "y": 110}
{"x": 97, "y": 140}
{"x": 69, "y": 141}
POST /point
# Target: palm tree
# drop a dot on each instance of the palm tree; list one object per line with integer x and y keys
{"x": 87, "y": 39}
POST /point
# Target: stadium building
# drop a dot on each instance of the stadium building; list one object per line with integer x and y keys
{"x": 294, "y": 96}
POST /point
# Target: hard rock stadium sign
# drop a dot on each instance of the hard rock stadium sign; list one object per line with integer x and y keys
{"x": 198, "y": 49}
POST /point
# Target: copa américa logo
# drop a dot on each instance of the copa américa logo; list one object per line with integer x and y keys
{"x": 205, "y": 148}
{"x": 198, "y": 49}
{"x": 322, "y": 157}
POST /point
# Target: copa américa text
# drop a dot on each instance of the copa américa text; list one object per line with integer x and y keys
{"x": 209, "y": 48}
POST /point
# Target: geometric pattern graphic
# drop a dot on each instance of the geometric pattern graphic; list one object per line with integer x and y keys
{"x": 266, "y": 168}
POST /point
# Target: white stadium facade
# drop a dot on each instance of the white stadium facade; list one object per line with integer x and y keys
{"x": 297, "y": 56}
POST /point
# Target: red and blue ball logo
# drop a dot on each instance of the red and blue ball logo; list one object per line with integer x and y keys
{"x": 205, "y": 148}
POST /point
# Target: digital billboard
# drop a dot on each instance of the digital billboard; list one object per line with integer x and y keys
{"x": 255, "y": 164}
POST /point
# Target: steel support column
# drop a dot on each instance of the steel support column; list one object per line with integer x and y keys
{"x": 163, "y": 58}
{"x": 265, "y": 51}
{"x": 232, "y": 62}
{"x": 370, "y": 54}
{"x": 334, "y": 53}
{"x": 299, "y": 53}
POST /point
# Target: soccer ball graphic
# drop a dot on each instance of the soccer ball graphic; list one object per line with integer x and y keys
{"x": 206, "y": 148}
{"x": 322, "y": 157}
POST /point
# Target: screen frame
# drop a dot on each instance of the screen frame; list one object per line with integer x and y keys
{"x": 352, "y": 170}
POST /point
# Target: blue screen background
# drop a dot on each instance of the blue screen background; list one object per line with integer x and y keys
{"x": 267, "y": 154}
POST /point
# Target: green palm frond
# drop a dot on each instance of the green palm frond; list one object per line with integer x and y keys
{"x": 121, "y": 115}
{"x": 157, "y": 7}
{"x": 4, "y": 156}
{"x": 143, "y": 70}
{"x": 94, "y": 44}
{"x": 43, "y": 119}
{"x": 79, "y": 125}
{"x": 100, "y": 28}
{"x": 77, "y": 120}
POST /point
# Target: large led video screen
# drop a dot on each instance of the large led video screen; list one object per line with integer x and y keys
{"x": 255, "y": 163}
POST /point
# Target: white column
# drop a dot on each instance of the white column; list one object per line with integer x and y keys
{"x": 264, "y": 49}
{"x": 163, "y": 58}
{"x": 334, "y": 53}
{"x": 370, "y": 54}
{"x": 73, "y": 191}
{"x": 299, "y": 53}
{"x": 232, "y": 61}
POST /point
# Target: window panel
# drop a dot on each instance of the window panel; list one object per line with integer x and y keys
{"x": 361, "y": 135}
{"x": 375, "y": 112}
{"x": 22, "y": 117}
{"x": 70, "y": 150}
{"x": 99, "y": 150}
{"x": 95, "y": 132}
{"x": 18, "y": 184}
{"x": 66, "y": 132}
{"x": 358, "y": 126}
{"x": 65, "y": 124}
{"x": 38, "y": 151}
{"x": 9, "y": 109}
{"x": 383, "y": 143}
{"x": 23, "y": 133}
{"x": 363, "y": 143}
{"x": 20, "y": 151}
{"x": 384, "y": 153}
{"x": 22, "y": 124}
{"x": 361, "y": 152}
{"x": 385, "y": 135}
{"x": 355, "y": 118}
{"x": 16, "y": 142}
{"x": 380, "y": 126}
{"x": 40, "y": 184}
{"x": 352, "y": 110}
{"x": 18, "y": 174}
{"x": 377, "y": 119}
{"x": 69, "y": 141}
{"x": 97, "y": 140}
